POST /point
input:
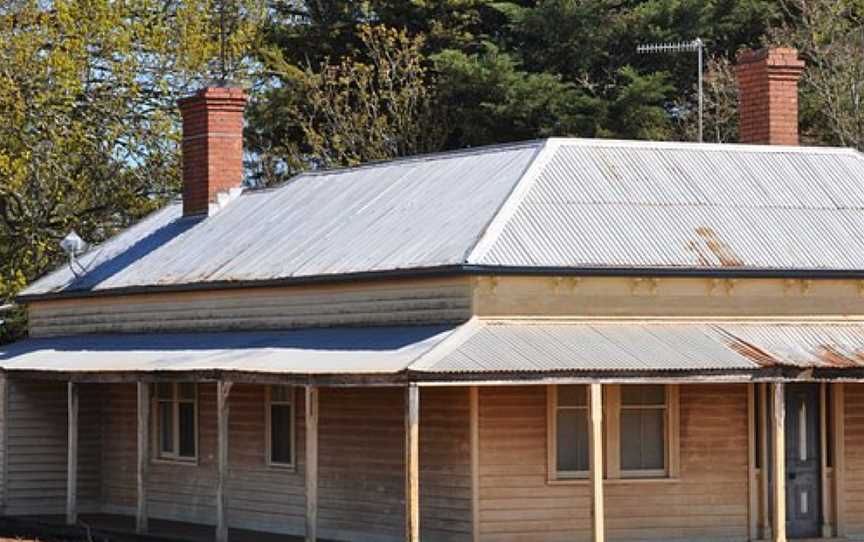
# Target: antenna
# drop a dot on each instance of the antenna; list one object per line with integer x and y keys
{"x": 223, "y": 46}
{"x": 696, "y": 45}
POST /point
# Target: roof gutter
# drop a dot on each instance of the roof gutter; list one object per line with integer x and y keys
{"x": 458, "y": 270}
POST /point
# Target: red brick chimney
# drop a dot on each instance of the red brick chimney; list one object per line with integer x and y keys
{"x": 212, "y": 146}
{"x": 768, "y": 87}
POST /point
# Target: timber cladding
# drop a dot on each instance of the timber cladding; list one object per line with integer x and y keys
{"x": 514, "y": 296}
{"x": 397, "y": 302}
{"x": 361, "y": 462}
{"x": 36, "y": 448}
{"x": 853, "y": 494}
{"x": 707, "y": 502}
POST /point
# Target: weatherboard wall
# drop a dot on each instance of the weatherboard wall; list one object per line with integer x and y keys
{"x": 361, "y": 465}
{"x": 36, "y": 444}
{"x": 364, "y": 303}
{"x": 448, "y": 300}
{"x": 707, "y": 502}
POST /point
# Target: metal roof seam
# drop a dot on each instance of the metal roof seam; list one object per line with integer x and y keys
{"x": 511, "y": 203}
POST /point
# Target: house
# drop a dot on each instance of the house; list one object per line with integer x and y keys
{"x": 553, "y": 340}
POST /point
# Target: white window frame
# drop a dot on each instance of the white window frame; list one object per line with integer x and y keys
{"x": 268, "y": 404}
{"x": 175, "y": 401}
{"x": 552, "y": 417}
{"x": 612, "y": 439}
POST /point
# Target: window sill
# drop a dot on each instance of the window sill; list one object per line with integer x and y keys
{"x": 169, "y": 461}
{"x": 611, "y": 481}
{"x": 282, "y": 467}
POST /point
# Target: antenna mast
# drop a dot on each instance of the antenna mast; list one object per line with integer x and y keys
{"x": 696, "y": 45}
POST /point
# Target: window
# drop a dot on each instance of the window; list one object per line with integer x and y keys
{"x": 571, "y": 431}
{"x": 280, "y": 426}
{"x": 640, "y": 426}
{"x": 643, "y": 430}
{"x": 177, "y": 421}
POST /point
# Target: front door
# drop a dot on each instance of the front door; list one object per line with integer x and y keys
{"x": 803, "y": 464}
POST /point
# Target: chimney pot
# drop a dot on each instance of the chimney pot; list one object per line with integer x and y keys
{"x": 768, "y": 92}
{"x": 212, "y": 146}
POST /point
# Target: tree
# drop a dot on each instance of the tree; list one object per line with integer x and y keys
{"x": 88, "y": 124}
{"x": 372, "y": 105}
{"x": 829, "y": 35}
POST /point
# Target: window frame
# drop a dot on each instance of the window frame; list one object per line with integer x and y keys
{"x": 552, "y": 429}
{"x": 268, "y": 440}
{"x": 665, "y": 407}
{"x": 612, "y": 439}
{"x": 175, "y": 401}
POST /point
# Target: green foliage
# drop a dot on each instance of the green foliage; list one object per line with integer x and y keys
{"x": 372, "y": 105}
{"x": 89, "y": 130}
{"x": 88, "y": 125}
{"x": 490, "y": 99}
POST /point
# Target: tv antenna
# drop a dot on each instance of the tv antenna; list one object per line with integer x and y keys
{"x": 696, "y": 45}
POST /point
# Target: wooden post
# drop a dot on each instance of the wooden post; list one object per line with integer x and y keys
{"x": 143, "y": 455}
{"x": 412, "y": 463}
{"x": 596, "y": 446}
{"x": 474, "y": 399}
{"x": 4, "y": 432}
{"x": 839, "y": 410}
{"x": 72, "y": 456}
{"x": 311, "y": 464}
{"x": 779, "y": 462}
{"x": 223, "y": 390}
{"x": 764, "y": 461}
{"x": 753, "y": 508}
{"x": 827, "y": 527}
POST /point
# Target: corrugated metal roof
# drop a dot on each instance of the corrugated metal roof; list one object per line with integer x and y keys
{"x": 311, "y": 351}
{"x": 654, "y": 205}
{"x": 562, "y": 203}
{"x": 478, "y": 346}
{"x": 403, "y": 214}
{"x": 544, "y": 346}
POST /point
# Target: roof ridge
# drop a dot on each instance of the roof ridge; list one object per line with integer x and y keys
{"x": 425, "y": 157}
{"x": 690, "y": 145}
{"x": 512, "y": 202}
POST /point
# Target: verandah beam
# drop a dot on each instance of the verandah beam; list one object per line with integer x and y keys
{"x": 412, "y": 463}
{"x": 143, "y": 455}
{"x": 311, "y": 463}
{"x": 223, "y": 390}
{"x": 72, "y": 456}
{"x": 779, "y": 433}
{"x": 596, "y": 446}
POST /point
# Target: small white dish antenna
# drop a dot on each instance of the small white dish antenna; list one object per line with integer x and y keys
{"x": 74, "y": 246}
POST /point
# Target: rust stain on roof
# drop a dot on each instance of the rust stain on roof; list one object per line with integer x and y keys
{"x": 753, "y": 352}
{"x": 710, "y": 246}
{"x": 830, "y": 355}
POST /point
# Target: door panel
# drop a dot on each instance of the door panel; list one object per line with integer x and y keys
{"x": 803, "y": 462}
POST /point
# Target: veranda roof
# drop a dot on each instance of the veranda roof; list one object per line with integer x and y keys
{"x": 478, "y": 347}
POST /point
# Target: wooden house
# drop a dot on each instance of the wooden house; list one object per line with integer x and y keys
{"x": 545, "y": 341}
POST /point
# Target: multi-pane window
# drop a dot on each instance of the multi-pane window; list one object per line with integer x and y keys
{"x": 176, "y": 419}
{"x": 280, "y": 426}
{"x": 571, "y": 431}
{"x": 643, "y": 429}
{"x": 639, "y": 431}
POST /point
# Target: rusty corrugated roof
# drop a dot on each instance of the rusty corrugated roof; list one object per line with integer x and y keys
{"x": 475, "y": 347}
{"x": 494, "y": 346}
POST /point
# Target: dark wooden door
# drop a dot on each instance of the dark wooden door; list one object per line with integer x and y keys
{"x": 803, "y": 463}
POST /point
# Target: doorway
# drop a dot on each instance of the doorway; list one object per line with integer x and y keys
{"x": 803, "y": 461}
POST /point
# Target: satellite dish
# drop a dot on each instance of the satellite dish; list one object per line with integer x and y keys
{"x": 73, "y": 245}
